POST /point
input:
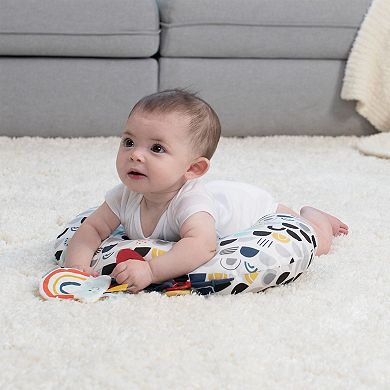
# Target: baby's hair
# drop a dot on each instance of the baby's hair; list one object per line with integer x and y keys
{"x": 204, "y": 125}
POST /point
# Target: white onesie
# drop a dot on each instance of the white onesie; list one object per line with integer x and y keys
{"x": 234, "y": 206}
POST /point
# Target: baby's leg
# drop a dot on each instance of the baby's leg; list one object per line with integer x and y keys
{"x": 325, "y": 225}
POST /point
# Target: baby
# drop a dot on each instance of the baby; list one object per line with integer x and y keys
{"x": 165, "y": 149}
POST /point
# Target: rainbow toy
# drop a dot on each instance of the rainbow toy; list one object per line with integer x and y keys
{"x": 71, "y": 283}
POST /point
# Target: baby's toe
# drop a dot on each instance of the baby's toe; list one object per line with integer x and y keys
{"x": 344, "y": 230}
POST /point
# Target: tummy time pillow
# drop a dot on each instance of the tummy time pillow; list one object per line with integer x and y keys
{"x": 274, "y": 251}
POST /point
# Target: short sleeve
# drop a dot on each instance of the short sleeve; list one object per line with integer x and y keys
{"x": 114, "y": 199}
{"x": 190, "y": 203}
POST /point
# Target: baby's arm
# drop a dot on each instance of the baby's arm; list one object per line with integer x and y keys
{"x": 96, "y": 228}
{"x": 196, "y": 247}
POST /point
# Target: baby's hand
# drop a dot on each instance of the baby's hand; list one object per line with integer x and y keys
{"x": 84, "y": 268}
{"x": 137, "y": 274}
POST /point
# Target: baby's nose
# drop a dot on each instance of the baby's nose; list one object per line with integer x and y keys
{"x": 136, "y": 155}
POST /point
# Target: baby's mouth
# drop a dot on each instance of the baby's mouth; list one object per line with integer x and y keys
{"x": 135, "y": 173}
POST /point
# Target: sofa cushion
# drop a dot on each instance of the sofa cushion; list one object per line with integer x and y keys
{"x": 260, "y": 28}
{"x": 269, "y": 96}
{"x": 71, "y": 97}
{"x": 82, "y": 28}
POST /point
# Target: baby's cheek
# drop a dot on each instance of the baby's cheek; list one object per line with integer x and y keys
{"x": 120, "y": 166}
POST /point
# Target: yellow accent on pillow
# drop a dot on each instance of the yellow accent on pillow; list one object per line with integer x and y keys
{"x": 157, "y": 252}
{"x": 281, "y": 238}
{"x": 251, "y": 277}
{"x": 217, "y": 276}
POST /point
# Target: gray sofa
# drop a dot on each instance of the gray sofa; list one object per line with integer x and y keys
{"x": 76, "y": 67}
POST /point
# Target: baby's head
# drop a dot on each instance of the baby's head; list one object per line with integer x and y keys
{"x": 169, "y": 138}
{"x": 203, "y": 126}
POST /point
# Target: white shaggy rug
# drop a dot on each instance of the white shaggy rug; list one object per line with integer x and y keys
{"x": 327, "y": 330}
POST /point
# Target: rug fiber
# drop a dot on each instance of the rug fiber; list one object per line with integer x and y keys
{"x": 327, "y": 330}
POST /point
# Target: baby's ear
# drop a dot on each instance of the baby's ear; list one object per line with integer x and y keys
{"x": 198, "y": 168}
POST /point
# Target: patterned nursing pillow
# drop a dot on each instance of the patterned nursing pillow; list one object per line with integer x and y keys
{"x": 274, "y": 251}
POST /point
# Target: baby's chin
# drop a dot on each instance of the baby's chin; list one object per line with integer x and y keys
{"x": 133, "y": 188}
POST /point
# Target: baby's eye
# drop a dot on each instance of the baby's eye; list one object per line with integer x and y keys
{"x": 127, "y": 142}
{"x": 157, "y": 148}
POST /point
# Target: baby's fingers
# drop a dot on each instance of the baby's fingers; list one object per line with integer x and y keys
{"x": 133, "y": 289}
{"x": 120, "y": 273}
{"x": 92, "y": 272}
{"x": 118, "y": 269}
{"x": 85, "y": 269}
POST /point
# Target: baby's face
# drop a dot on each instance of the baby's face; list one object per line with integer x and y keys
{"x": 155, "y": 153}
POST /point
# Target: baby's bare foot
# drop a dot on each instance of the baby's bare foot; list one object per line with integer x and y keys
{"x": 338, "y": 227}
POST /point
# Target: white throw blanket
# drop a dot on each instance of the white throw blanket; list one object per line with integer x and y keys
{"x": 367, "y": 75}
